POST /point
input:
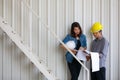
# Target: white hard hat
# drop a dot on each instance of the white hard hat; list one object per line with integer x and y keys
{"x": 70, "y": 44}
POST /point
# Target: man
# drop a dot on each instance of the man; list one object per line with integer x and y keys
{"x": 99, "y": 45}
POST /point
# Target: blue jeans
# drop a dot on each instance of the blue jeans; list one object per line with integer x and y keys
{"x": 99, "y": 75}
{"x": 74, "y": 68}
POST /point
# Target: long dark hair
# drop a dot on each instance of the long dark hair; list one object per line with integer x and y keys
{"x": 75, "y": 24}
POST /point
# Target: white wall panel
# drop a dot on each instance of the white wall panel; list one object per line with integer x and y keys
{"x": 1, "y": 7}
{"x": 96, "y": 10}
{"x": 79, "y": 11}
{"x": 16, "y": 15}
{"x": 119, "y": 35}
{"x": 114, "y": 39}
{"x": 58, "y": 15}
{"x": 6, "y": 59}
{"x": 1, "y": 56}
{"x": 105, "y": 20}
{"x": 16, "y": 59}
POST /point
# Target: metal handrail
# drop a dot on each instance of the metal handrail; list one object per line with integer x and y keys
{"x": 55, "y": 35}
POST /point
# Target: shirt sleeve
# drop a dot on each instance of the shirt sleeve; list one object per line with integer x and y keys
{"x": 65, "y": 40}
{"x": 105, "y": 49}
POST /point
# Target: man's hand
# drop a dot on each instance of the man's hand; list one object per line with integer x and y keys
{"x": 88, "y": 57}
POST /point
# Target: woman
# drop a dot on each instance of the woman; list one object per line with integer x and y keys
{"x": 79, "y": 39}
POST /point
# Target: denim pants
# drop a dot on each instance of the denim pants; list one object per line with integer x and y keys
{"x": 74, "y": 68}
{"x": 99, "y": 75}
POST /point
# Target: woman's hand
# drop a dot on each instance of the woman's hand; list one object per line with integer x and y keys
{"x": 74, "y": 51}
{"x": 82, "y": 48}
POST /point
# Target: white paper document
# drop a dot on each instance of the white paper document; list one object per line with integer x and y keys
{"x": 95, "y": 61}
{"x": 88, "y": 52}
{"x": 81, "y": 55}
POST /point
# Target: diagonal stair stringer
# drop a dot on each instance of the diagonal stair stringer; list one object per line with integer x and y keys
{"x": 17, "y": 40}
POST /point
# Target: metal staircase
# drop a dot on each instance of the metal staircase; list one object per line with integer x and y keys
{"x": 34, "y": 59}
{"x": 14, "y": 36}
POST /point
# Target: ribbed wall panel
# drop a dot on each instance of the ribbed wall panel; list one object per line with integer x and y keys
{"x": 58, "y": 15}
{"x": 119, "y": 35}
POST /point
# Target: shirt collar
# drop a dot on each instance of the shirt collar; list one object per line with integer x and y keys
{"x": 97, "y": 39}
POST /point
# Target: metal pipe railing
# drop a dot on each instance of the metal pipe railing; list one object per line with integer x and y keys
{"x": 54, "y": 34}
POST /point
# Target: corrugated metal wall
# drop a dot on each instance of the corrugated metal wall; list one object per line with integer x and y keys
{"x": 58, "y": 15}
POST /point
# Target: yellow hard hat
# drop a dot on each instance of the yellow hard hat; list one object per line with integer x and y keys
{"x": 96, "y": 27}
